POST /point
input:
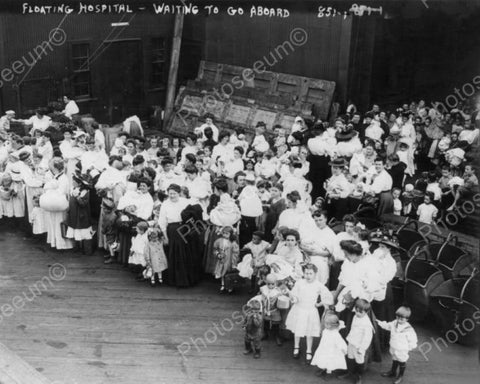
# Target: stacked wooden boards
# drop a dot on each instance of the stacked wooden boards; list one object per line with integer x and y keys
{"x": 240, "y": 97}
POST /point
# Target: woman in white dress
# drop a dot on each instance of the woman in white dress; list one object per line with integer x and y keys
{"x": 295, "y": 213}
{"x": 60, "y": 184}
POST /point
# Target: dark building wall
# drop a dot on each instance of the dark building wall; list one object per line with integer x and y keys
{"x": 426, "y": 57}
{"x": 243, "y": 41}
{"x": 52, "y": 74}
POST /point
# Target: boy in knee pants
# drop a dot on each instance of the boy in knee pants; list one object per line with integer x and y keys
{"x": 402, "y": 340}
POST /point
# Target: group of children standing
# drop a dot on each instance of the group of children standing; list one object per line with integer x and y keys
{"x": 344, "y": 354}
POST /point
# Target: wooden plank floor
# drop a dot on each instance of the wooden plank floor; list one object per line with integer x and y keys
{"x": 98, "y": 326}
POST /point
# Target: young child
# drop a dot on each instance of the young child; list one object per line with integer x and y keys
{"x": 397, "y": 203}
{"x": 137, "y": 250}
{"x": 427, "y": 212}
{"x": 6, "y": 193}
{"x": 253, "y": 326}
{"x": 359, "y": 339}
{"x": 260, "y": 144}
{"x": 109, "y": 230}
{"x": 226, "y": 251}
{"x": 155, "y": 255}
{"x": 271, "y": 315}
{"x": 37, "y": 218}
{"x": 303, "y": 319}
{"x": 330, "y": 354}
{"x": 402, "y": 340}
{"x": 258, "y": 248}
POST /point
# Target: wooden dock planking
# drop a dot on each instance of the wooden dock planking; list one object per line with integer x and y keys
{"x": 99, "y": 326}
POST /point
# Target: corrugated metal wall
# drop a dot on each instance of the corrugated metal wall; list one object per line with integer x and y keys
{"x": 22, "y": 34}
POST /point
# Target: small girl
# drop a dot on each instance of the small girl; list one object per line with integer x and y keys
{"x": 402, "y": 340}
{"x": 226, "y": 252}
{"x": 271, "y": 315}
{"x": 303, "y": 319}
{"x": 330, "y": 354}
{"x": 136, "y": 259}
{"x": 155, "y": 256}
{"x": 37, "y": 218}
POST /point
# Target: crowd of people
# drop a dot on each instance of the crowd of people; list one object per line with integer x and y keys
{"x": 216, "y": 203}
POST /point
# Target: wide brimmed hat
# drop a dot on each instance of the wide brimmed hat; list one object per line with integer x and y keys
{"x": 16, "y": 175}
{"x": 381, "y": 237}
{"x": 340, "y": 162}
{"x": 348, "y": 134}
{"x": 108, "y": 203}
{"x": 23, "y": 156}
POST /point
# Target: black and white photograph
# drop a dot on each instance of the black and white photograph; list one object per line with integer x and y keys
{"x": 239, "y": 191}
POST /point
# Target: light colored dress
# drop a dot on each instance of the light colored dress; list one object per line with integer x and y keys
{"x": 139, "y": 244}
{"x": 55, "y": 219}
{"x": 331, "y": 351}
{"x": 226, "y": 253}
{"x": 303, "y": 319}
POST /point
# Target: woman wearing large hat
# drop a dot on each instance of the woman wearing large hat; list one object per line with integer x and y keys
{"x": 382, "y": 246}
{"x": 348, "y": 141}
{"x": 337, "y": 189}
{"x": 321, "y": 147}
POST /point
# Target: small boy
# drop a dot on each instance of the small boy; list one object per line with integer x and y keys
{"x": 397, "y": 203}
{"x": 402, "y": 340}
{"x": 359, "y": 339}
{"x": 253, "y": 326}
{"x": 427, "y": 212}
{"x": 272, "y": 319}
{"x": 109, "y": 230}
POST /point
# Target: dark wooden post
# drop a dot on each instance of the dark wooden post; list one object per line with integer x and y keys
{"x": 173, "y": 70}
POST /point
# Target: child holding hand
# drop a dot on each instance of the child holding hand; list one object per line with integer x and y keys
{"x": 303, "y": 320}
{"x": 402, "y": 340}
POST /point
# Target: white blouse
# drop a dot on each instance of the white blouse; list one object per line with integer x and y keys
{"x": 170, "y": 212}
{"x": 145, "y": 206}
{"x": 382, "y": 182}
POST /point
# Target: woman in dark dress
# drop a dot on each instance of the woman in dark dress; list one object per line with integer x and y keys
{"x": 277, "y": 206}
{"x": 177, "y": 237}
{"x": 192, "y": 219}
{"x": 319, "y": 158}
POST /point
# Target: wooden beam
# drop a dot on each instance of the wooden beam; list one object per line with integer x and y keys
{"x": 173, "y": 70}
{"x": 14, "y": 370}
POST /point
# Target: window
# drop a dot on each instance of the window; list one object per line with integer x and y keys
{"x": 158, "y": 62}
{"x": 81, "y": 85}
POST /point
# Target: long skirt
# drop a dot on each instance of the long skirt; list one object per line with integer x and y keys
{"x": 320, "y": 171}
{"x": 209, "y": 259}
{"x": 337, "y": 208}
{"x": 385, "y": 204}
{"x": 125, "y": 241}
{"x": 54, "y": 232}
{"x": 248, "y": 225}
{"x": 183, "y": 266}
{"x": 385, "y": 311}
